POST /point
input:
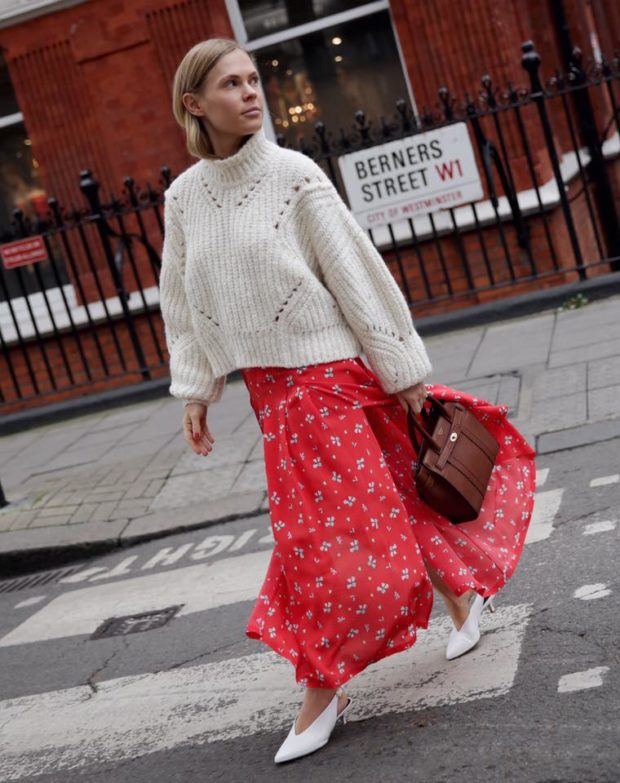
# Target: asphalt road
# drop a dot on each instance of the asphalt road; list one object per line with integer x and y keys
{"x": 538, "y": 700}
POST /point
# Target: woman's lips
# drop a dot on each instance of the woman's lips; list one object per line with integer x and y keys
{"x": 253, "y": 111}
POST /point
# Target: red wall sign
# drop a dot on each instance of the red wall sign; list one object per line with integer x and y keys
{"x": 22, "y": 252}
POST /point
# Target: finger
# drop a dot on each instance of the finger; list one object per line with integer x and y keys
{"x": 196, "y": 427}
{"x": 190, "y": 432}
{"x": 205, "y": 444}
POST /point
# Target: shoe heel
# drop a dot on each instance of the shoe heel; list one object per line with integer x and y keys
{"x": 490, "y": 604}
{"x": 343, "y": 714}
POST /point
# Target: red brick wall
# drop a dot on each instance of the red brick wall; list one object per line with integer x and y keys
{"x": 94, "y": 83}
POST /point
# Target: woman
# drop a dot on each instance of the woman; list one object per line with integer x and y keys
{"x": 265, "y": 269}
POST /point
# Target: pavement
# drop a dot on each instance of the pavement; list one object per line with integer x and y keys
{"x": 117, "y": 476}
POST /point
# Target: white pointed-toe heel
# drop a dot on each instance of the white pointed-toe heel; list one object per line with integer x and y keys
{"x": 316, "y": 734}
{"x": 468, "y": 636}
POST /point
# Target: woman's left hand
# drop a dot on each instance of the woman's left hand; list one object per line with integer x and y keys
{"x": 413, "y": 397}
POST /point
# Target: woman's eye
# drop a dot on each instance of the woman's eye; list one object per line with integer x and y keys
{"x": 232, "y": 81}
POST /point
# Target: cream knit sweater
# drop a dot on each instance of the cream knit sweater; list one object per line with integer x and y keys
{"x": 263, "y": 264}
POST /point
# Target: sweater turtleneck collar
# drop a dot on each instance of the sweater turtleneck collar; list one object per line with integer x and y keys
{"x": 242, "y": 165}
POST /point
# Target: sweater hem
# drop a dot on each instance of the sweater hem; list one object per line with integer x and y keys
{"x": 293, "y": 349}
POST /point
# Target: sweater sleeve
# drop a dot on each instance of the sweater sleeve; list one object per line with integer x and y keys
{"x": 357, "y": 276}
{"x": 190, "y": 371}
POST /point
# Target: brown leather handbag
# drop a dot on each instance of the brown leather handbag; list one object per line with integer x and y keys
{"x": 455, "y": 459}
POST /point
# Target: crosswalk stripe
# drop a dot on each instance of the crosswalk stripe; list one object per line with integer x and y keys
{"x": 591, "y": 592}
{"x": 578, "y": 681}
{"x": 602, "y": 481}
{"x": 223, "y": 700}
{"x": 599, "y": 527}
{"x": 546, "y": 506}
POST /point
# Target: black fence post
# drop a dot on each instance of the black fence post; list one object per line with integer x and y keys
{"x": 603, "y": 192}
{"x": 90, "y": 188}
{"x": 3, "y": 501}
{"x": 531, "y": 62}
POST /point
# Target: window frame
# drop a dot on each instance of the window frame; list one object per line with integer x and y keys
{"x": 238, "y": 25}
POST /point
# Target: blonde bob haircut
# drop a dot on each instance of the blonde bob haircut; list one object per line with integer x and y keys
{"x": 190, "y": 77}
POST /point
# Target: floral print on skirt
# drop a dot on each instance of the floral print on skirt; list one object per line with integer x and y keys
{"x": 347, "y": 582}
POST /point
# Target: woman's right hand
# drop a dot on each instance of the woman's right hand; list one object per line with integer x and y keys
{"x": 195, "y": 428}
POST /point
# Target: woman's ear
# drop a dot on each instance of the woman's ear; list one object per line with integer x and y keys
{"x": 192, "y": 105}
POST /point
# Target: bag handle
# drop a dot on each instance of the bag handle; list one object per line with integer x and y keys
{"x": 412, "y": 420}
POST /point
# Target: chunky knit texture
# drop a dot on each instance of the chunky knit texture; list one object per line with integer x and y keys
{"x": 263, "y": 264}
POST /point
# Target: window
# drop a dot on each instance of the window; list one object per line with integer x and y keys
{"x": 340, "y": 56}
{"x": 20, "y": 187}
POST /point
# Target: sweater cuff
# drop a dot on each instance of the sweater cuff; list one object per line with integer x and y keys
{"x": 189, "y": 402}
{"x": 398, "y": 364}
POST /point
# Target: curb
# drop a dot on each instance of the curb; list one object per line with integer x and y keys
{"x": 54, "y": 547}
{"x": 600, "y": 287}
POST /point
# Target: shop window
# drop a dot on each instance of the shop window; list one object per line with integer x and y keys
{"x": 332, "y": 64}
{"x": 20, "y": 187}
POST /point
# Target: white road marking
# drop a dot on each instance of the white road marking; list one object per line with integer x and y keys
{"x": 198, "y": 587}
{"x": 208, "y": 547}
{"x": 147, "y": 713}
{"x": 541, "y": 476}
{"x": 599, "y": 527}
{"x": 590, "y": 592}
{"x": 546, "y": 506}
{"x": 604, "y": 480}
{"x": 578, "y": 681}
{"x": 35, "y": 599}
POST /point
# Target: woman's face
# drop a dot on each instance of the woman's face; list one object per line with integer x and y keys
{"x": 231, "y": 88}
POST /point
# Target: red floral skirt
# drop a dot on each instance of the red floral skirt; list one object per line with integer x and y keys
{"x": 347, "y": 582}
